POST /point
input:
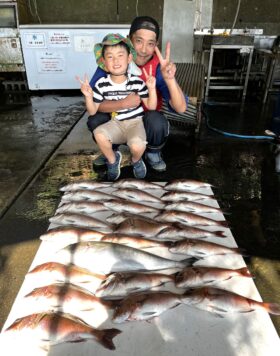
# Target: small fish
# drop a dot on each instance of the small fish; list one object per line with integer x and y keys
{"x": 71, "y": 235}
{"x": 106, "y": 257}
{"x": 119, "y": 285}
{"x": 74, "y": 219}
{"x": 121, "y": 206}
{"x": 222, "y": 302}
{"x": 145, "y": 306}
{"x": 84, "y": 185}
{"x": 186, "y": 185}
{"x": 193, "y": 277}
{"x": 57, "y": 328}
{"x": 180, "y": 196}
{"x": 180, "y": 231}
{"x": 193, "y": 207}
{"x": 201, "y": 249}
{"x": 81, "y": 207}
{"x": 89, "y": 195}
{"x": 188, "y": 219}
{"x": 135, "y": 183}
{"x": 136, "y": 195}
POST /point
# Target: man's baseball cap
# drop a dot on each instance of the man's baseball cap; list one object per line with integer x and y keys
{"x": 112, "y": 39}
{"x": 146, "y": 23}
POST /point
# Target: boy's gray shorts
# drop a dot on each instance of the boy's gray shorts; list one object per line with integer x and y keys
{"x": 130, "y": 131}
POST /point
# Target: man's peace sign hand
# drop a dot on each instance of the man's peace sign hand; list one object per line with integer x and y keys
{"x": 168, "y": 69}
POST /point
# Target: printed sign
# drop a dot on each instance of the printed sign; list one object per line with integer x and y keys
{"x": 84, "y": 43}
{"x": 35, "y": 40}
{"x": 59, "y": 38}
{"x": 50, "y": 62}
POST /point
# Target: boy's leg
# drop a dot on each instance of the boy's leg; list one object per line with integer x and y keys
{"x": 157, "y": 131}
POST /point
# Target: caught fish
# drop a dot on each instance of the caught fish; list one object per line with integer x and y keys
{"x": 89, "y": 195}
{"x": 145, "y": 306}
{"x": 84, "y": 185}
{"x": 200, "y": 249}
{"x": 81, "y": 207}
{"x": 135, "y": 183}
{"x": 107, "y": 257}
{"x": 193, "y": 277}
{"x": 180, "y": 231}
{"x": 179, "y": 196}
{"x": 193, "y": 207}
{"x": 54, "y": 272}
{"x": 57, "y": 328}
{"x": 118, "y": 285}
{"x": 188, "y": 219}
{"x": 80, "y": 220}
{"x": 222, "y": 302}
{"x": 71, "y": 235}
{"x": 130, "y": 207}
{"x": 186, "y": 185}
{"x": 136, "y": 195}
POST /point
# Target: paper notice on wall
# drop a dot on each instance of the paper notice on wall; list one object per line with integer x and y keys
{"x": 84, "y": 43}
{"x": 35, "y": 40}
{"x": 59, "y": 38}
{"x": 50, "y": 62}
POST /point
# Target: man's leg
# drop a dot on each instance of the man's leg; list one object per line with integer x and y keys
{"x": 157, "y": 131}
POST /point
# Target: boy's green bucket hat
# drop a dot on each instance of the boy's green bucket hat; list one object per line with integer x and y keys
{"x": 111, "y": 39}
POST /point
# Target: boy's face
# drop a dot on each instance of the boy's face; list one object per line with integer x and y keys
{"x": 144, "y": 42}
{"x": 116, "y": 60}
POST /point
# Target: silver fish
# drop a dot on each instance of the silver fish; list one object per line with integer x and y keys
{"x": 200, "y": 249}
{"x": 180, "y": 231}
{"x": 118, "y": 285}
{"x": 188, "y": 219}
{"x": 71, "y": 234}
{"x": 193, "y": 207}
{"x": 74, "y": 219}
{"x": 222, "y": 302}
{"x": 193, "y": 277}
{"x": 145, "y": 306}
{"x": 130, "y": 207}
{"x": 179, "y": 196}
{"x": 81, "y": 207}
{"x": 89, "y": 195}
{"x": 186, "y": 185}
{"x": 57, "y": 328}
{"x": 136, "y": 195}
{"x": 135, "y": 183}
{"x": 84, "y": 185}
{"x": 107, "y": 257}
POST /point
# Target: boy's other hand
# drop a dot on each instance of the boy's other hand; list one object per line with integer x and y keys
{"x": 131, "y": 101}
{"x": 168, "y": 69}
{"x": 150, "y": 80}
{"x": 85, "y": 87}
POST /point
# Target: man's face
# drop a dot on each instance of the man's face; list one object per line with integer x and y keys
{"x": 144, "y": 42}
{"x": 116, "y": 59}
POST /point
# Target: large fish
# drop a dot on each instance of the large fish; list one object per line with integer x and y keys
{"x": 81, "y": 207}
{"x": 200, "y": 249}
{"x": 136, "y": 183}
{"x": 84, "y": 185}
{"x": 144, "y": 306}
{"x": 118, "y": 285}
{"x": 54, "y": 272}
{"x": 186, "y": 185}
{"x": 74, "y": 219}
{"x": 222, "y": 302}
{"x": 57, "y": 328}
{"x": 122, "y": 206}
{"x": 188, "y": 219}
{"x": 71, "y": 235}
{"x": 89, "y": 195}
{"x": 179, "y": 196}
{"x": 107, "y": 257}
{"x": 192, "y": 207}
{"x": 136, "y": 195}
{"x": 193, "y": 277}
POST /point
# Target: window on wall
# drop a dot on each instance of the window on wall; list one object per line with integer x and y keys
{"x": 7, "y": 17}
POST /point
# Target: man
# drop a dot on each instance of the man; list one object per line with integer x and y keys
{"x": 144, "y": 35}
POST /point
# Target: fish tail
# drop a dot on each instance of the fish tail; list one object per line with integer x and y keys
{"x": 223, "y": 223}
{"x": 272, "y": 308}
{"x": 220, "y": 233}
{"x": 107, "y": 336}
{"x": 245, "y": 272}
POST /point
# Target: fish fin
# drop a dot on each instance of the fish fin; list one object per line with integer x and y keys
{"x": 132, "y": 290}
{"x": 107, "y": 338}
{"x": 220, "y": 233}
{"x": 223, "y": 223}
{"x": 245, "y": 272}
{"x": 190, "y": 261}
{"x": 272, "y": 308}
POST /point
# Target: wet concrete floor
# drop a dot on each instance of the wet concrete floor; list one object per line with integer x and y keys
{"x": 35, "y": 144}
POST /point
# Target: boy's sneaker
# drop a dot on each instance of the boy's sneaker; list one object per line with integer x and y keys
{"x": 139, "y": 169}
{"x": 99, "y": 161}
{"x": 155, "y": 161}
{"x": 114, "y": 169}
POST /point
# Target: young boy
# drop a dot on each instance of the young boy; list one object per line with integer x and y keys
{"x": 126, "y": 126}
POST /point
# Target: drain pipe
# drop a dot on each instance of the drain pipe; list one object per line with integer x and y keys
{"x": 235, "y": 18}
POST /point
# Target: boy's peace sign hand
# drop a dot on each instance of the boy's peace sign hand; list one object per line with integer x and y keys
{"x": 168, "y": 69}
{"x": 150, "y": 79}
{"x": 85, "y": 87}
